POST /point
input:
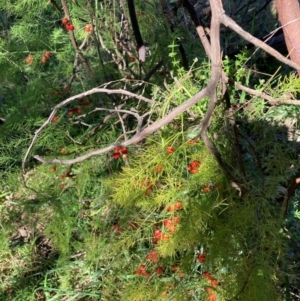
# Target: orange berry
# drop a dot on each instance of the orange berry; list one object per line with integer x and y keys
{"x": 44, "y": 60}
{"x": 178, "y": 205}
{"x": 70, "y": 112}
{"x": 79, "y": 110}
{"x": 171, "y": 208}
{"x": 170, "y": 150}
{"x": 53, "y": 168}
{"x": 206, "y": 189}
{"x": 158, "y": 168}
{"x": 47, "y": 54}
{"x": 29, "y": 59}
{"x": 88, "y": 27}
{"x": 165, "y": 237}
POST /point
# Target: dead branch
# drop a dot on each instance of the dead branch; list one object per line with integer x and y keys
{"x": 69, "y": 100}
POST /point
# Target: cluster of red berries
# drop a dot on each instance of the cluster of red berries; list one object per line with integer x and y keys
{"x": 170, "y": 224}
{"x": 120, "y": 151}
{"x": 74, "y": 111}
{"x": 193, "y": 166}
{"x": 84, "y": 102}
{"x": 45, "y": 57}
{"x": 68, "y": 25}
{"x": 213, "y": 281}
{"x": 149, "y": 186}
{"x": 174, "y": 207}
{"x": 212, "y": 296}
{"x": 29, "y": 59}
{"x": 142, "y": 271}
{"x": 153, "y": 257}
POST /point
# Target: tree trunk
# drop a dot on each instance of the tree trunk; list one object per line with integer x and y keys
{"x": 289, "y": 17}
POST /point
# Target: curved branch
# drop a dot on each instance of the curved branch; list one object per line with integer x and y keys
{"x": 143, "y": 134}
{"x": 69, "y": 100}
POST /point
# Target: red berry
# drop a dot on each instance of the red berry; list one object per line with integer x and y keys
{"x": 70, "y": 27}
{"x": 47, "y": 54}
{"x": 55, "y": 119}
{"x": 159, "y": 270}
{"x": 88, "y": 27}
{"x": 155, "y": 240}
{"x": 195, "y": 164}
{"x": 201, "y": 258}
{"x": 116, "y": 155}
{"x": 131, "y": 59}
{"x": 65, "y": 21}
{"x": 123, "y": 150}
{"x": 157, "y": 233}
{"x": 170, "y": 150}
{"x": 118, "y": 148}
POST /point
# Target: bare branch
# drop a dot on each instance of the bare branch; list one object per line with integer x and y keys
{"x": 69, "y": 100}
{"x": 228, "y": 22}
